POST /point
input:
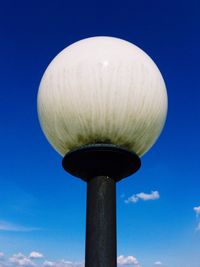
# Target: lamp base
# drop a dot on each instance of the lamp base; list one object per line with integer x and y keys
{"x": 94, "y": 160}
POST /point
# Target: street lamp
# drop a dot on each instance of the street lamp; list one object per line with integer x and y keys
{"x": 102, "y": 103}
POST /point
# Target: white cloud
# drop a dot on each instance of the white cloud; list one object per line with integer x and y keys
{"x": 21, "y": 260}
{"x": 2, "y": 260}
{"x": 7, "y": 226}
{"x": 35, "y": 255}
{"x": 62, "y": 263}
{"x": 132, "y": 199}
{"x": 143, "y": 196}
{"x": 158, "y": 263}
{"x": 49, "y": 264}
{"x": 197, "y": 210}
{"x": 129, "y": 260}
{"x": 198, "y": 227}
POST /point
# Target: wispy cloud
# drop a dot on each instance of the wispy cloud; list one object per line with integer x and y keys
{"x": 21, "y": 260}
{"x": 158, "y": 263}
{"x": 7, "y": 226}
{"x": 198, "y": 227}
{"x": 35, "y": 255}
{"x": 129, "y": 260}
{"x": 1, "y": 255}
{"x": 143, "y": 196}
{"x": 62, "y": 263}
{"x": 197, "y": 210}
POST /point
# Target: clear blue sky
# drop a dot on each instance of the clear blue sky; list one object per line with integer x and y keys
{"x": 42, "y": 208}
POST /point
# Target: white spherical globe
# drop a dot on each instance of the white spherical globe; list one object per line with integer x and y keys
{"x": 102, "y": 90}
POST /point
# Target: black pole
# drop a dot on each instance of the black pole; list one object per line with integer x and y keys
{"x": 101, "y": 161}
{"x": 101, "y": 248}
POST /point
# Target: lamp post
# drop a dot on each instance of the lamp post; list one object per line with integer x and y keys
{"x": 102, "y": 104}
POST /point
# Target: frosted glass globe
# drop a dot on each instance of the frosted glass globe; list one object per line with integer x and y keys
{"x": 102, "y": 90}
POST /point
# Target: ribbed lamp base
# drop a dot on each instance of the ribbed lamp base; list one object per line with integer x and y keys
{"x": 94, "y": 160}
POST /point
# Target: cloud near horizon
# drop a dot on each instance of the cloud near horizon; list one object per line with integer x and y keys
{"x": 35, "y": 255}
{"x": 62, "y": 263}
{"x": 158, "y": 263}
{"x": 21, "y": 260}
{"x": 1, "y": 255}
{"x": 197, "y": 210}
{"x": 143, "y": 196}
{"x": 198, "y": 227}
{"x": 129, "y": 260}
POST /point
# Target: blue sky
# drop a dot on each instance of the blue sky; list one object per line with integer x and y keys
{"x": 42, "y": 208}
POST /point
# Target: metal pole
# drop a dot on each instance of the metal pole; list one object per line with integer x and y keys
{"x": 97, "y": 161}
{"x": 101, "y": 248}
